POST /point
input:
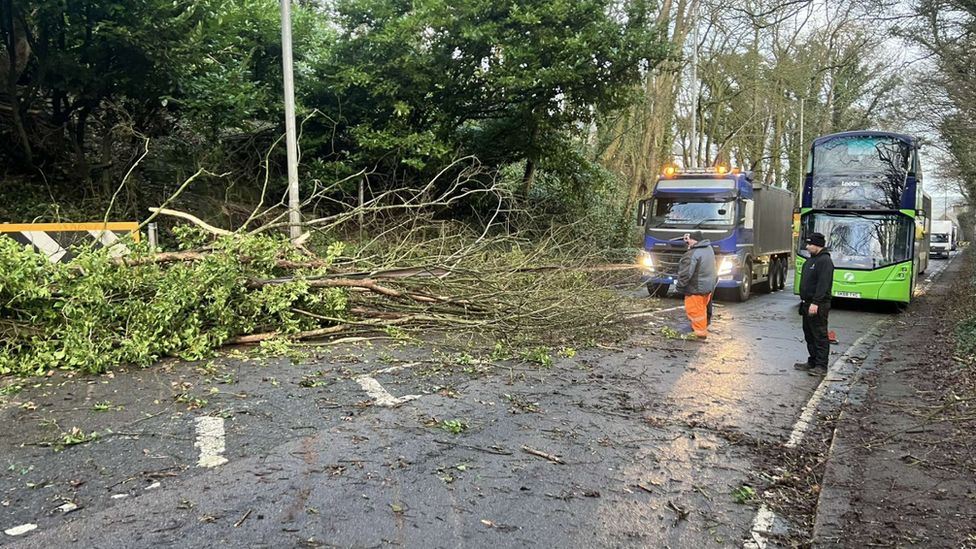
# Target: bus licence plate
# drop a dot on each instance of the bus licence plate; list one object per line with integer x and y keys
{"x": 847, "y": 294}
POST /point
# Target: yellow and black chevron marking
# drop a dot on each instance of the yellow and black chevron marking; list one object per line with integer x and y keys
{"x": 56, "y": 240}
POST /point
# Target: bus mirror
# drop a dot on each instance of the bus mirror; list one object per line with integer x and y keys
{"x": 641, "y": 213}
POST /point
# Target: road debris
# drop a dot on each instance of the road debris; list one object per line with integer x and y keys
{"x": 539, "y": 453}
{"x": 240, "y": 522}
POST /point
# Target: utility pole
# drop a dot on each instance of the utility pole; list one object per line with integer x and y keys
{"x": 694, "y": 87}
{"x": 799, "y": 155}
{"x": 291, "y": 142}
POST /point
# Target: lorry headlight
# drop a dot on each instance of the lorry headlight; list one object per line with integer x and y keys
{"x": 726, "y": 266}
{"x": 646, "y": 261}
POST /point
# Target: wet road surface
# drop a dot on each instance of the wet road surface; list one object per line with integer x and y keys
{"x": 646, "y": 441}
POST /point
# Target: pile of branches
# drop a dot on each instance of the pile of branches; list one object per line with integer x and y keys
{"x": 407, "y": 273}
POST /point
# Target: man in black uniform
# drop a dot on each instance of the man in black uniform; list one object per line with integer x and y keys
{"x": 816, "y": 283}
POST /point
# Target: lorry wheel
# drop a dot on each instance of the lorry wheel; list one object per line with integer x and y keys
{"x": 657, "y": 290}
{"x": 775, "y": 271}
{"x": 773, "y": 276}
{"x": 746, "y": 288}
{"x": 781, "y": 269}
{"x": 769, "y": 286}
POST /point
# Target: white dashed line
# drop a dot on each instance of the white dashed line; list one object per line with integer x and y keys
{"x": 20, "y": 530}
{"x": 210, "y": 441}
{"x": 381, "y": 396}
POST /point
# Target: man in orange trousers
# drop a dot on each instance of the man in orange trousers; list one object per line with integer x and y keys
{"x": 697, "y": 278}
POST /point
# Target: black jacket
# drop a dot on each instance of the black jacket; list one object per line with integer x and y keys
{"x": 817, "y": 279}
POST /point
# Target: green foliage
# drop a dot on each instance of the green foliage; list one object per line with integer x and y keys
{"x": 965, "y": 333}
{"x": 502, "y": 81}
{"x": 72, "y": 438}
{"x": 96, "y": 313}
{"x": 454, "y": 426}
{"x": 744, "y": 494}
{"x": 102, "y": 406}
{"x": 579, "y": 196}
{"x": 670, "y": 332}
{"x": 12, "y": 389}
{"x": 966, "y": 336}
{"x": 540, "y": 356}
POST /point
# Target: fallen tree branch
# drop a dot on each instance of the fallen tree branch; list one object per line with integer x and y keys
{"x": 308, "y": 334}
{"x": 357, "y": 283}
{"x": 192, "y": 219}
{"x": 162, "y": 208}
{"x": 489, "y": 450}
{"x": 539, "y": 453}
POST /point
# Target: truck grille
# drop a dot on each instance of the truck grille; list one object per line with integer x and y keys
{"x": 666, "y": 262}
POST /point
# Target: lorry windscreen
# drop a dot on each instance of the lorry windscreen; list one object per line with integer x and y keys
{"x": 682, "y": 213}
{"x": 940, "y": 237}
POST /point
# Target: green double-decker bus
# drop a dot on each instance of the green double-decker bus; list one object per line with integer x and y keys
{"x": 863, "y": 191}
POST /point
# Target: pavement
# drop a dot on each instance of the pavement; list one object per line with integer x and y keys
{"x": 901, "y": 464}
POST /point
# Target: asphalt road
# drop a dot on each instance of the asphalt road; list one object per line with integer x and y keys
{"x": 650, "y": 441}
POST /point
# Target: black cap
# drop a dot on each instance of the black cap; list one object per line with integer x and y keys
{"x": 696, "y": 236}
{"x": 816, "y": 239}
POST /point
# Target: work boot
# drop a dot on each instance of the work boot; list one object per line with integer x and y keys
{"x": 803, "y": 366}
{"x": 818, "y": 371}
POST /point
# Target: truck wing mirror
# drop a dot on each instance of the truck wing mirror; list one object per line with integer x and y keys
{"x": 641, "y": 213}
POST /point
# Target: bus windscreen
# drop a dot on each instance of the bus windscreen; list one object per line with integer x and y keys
{"x": 860, "y": 172}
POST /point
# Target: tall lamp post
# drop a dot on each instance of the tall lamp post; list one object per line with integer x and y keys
{"x": 291, "y": 142}
{"x": 694, "y": 88}
{"x": 799, "y": 156}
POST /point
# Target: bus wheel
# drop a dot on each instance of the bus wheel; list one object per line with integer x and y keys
{"x": 657, "y": 290}
{"x": 746, "y": 288}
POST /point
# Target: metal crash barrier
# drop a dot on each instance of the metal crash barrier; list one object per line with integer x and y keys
{"x": 56, "y": 240}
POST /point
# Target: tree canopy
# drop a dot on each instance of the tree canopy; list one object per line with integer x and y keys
{"x": 572, "y": 97}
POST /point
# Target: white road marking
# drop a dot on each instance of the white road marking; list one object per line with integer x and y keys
{"x": 20, "y": 530}
{"x": 762, "y": 524}
{"x": 210, "y": 441}
{"x": 381, "y": 396}
{"x": 397, "y": 368}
